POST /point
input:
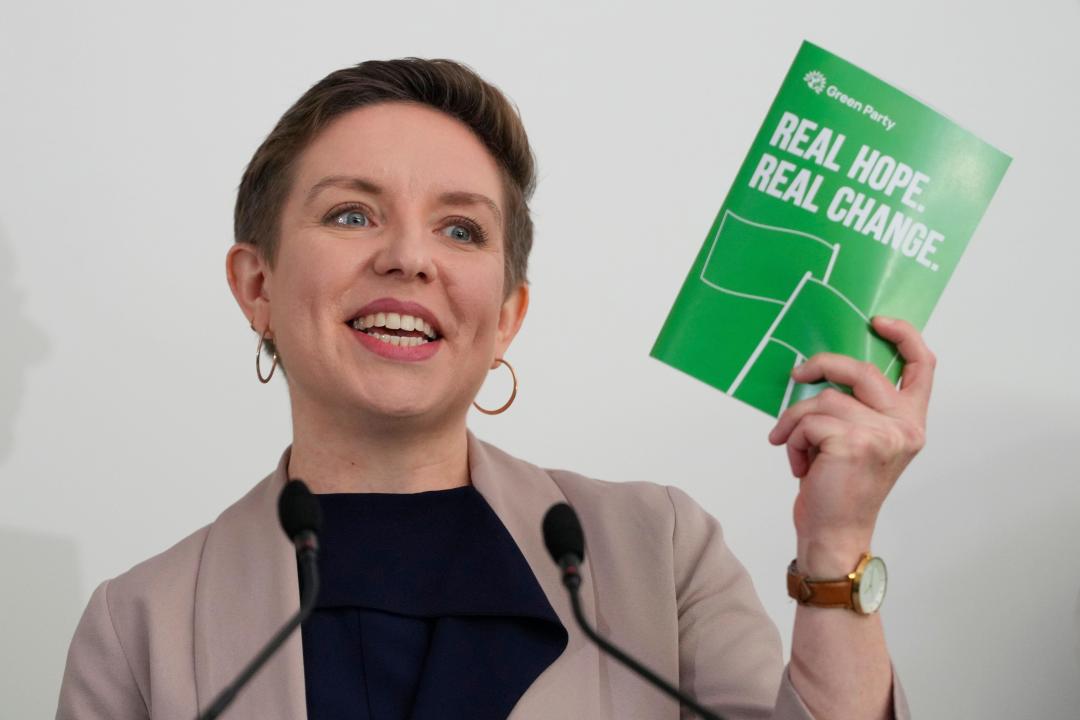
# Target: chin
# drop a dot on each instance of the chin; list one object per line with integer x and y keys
{"x": 398, "y": 412}
{"x": 405, "y": 406}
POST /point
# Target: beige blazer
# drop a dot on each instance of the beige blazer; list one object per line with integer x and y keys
{"x": 160, "y": 640}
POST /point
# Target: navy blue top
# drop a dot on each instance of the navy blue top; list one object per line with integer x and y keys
{"x": 427, "y": 610}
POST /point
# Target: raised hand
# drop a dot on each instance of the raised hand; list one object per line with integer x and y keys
{"x": 849, "y": 451}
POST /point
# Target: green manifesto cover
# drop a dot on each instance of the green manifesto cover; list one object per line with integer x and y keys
{"x": 855, "y": 200}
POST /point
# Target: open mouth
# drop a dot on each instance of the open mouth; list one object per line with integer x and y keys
{"x": 396, "y": 329}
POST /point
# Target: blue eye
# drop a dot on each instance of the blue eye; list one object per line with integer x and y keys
{"x": 352, "y": 218}
{"x": 467, "y": 231}
{"x": 460, "y": 232}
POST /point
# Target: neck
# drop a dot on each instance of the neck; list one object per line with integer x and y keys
{"x": 333, "y": 456}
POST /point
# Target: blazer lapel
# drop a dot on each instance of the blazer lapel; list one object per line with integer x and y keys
{"x": 520, "y": 494}
{"x": 246, "y": 589}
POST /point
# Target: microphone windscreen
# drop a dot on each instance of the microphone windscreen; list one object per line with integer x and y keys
{"x": 298, "y": 509}
{"x": 562, "y": 532}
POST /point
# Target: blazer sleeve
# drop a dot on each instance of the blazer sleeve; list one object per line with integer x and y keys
{"x": 730, "y": 655}
{"x": 98, "y": 681}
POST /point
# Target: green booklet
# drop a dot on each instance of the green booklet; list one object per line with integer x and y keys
{"x": 855, "y": 200}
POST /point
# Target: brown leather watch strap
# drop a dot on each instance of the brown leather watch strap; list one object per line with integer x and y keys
{"x": 819, "y": 593}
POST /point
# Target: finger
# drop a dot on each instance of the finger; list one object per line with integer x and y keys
{"x": 811, "y": 433}
{"x": 828, "y": 402}
{"x": 798, "y": 460}
{"x": 919, "y": 362}
{"x": 864, "y": 378}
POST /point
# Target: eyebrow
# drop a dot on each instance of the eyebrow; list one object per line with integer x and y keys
{"x": 458, "y": 198}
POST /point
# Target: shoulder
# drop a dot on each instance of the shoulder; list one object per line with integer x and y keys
{"x": 657, "y": 544}
{"x": 648, "y": 523}
{"x": 630, "y": 510}
{"x": 155, "y": 594}
{"x": 166, "y": 581}
{"x": 641, "y": 505}
{"x": 661, "y": 528}
{"x": 158, "y": 594}
{"x": 163, "y": 582}
{"x": 108, "y": 662}
{"x": 637, "y": 502}
{"x": 138, "y": 626}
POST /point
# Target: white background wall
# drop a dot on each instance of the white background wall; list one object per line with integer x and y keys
{"x": 129, "y": 410}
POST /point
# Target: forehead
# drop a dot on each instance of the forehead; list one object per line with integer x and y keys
{"x": 410, "y": 149}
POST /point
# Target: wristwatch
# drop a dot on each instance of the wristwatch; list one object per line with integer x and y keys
{"x": 862, "y": 590}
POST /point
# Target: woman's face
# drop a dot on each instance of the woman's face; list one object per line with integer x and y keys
{"x": 393, "y": 221}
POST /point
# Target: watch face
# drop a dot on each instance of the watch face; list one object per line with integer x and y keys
{"x": 872, "y": 585}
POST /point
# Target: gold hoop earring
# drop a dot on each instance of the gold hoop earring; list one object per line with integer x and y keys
{"x": 513, "y": 393}
{"x": 258, "y": 359}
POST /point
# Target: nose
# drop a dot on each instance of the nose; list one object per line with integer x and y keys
{"x": 406, "y": 251}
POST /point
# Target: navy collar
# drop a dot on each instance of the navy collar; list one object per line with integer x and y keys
{"x": 444, "y": 556}
{"x": 428, "y": 554}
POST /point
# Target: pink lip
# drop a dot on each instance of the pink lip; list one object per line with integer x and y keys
{"x": 396, "y": 352}
{"x": 401, "y": 307}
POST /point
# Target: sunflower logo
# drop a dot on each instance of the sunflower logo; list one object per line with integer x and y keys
{"x": 815, "y": 81}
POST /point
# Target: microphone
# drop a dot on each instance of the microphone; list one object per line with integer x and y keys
{"x": 301, "y": 518}
{"x": 565, "y": 540}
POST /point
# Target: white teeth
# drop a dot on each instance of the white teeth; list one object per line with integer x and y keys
{"x": 400, "y": 340}
{"x": 394, "y": 321}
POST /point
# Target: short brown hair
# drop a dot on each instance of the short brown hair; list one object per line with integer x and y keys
{"x": 446, "y": 85}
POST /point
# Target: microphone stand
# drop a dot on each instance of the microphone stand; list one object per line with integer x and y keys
{"x": 307, "y": 547}
{"x": 572, "y": 581}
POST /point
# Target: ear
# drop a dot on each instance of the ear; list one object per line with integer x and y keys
{"x": 511, "y": 315}
{"x": 249, "y": 280}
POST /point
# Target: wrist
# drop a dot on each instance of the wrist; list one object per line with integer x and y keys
{"x": 831, "y": 558}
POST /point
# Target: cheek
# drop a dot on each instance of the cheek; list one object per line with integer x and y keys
{"x": 302, "y": 294}
{"x": 477, "y": 298}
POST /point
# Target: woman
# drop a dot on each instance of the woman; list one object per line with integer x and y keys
{"x": 382, "y": 234}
